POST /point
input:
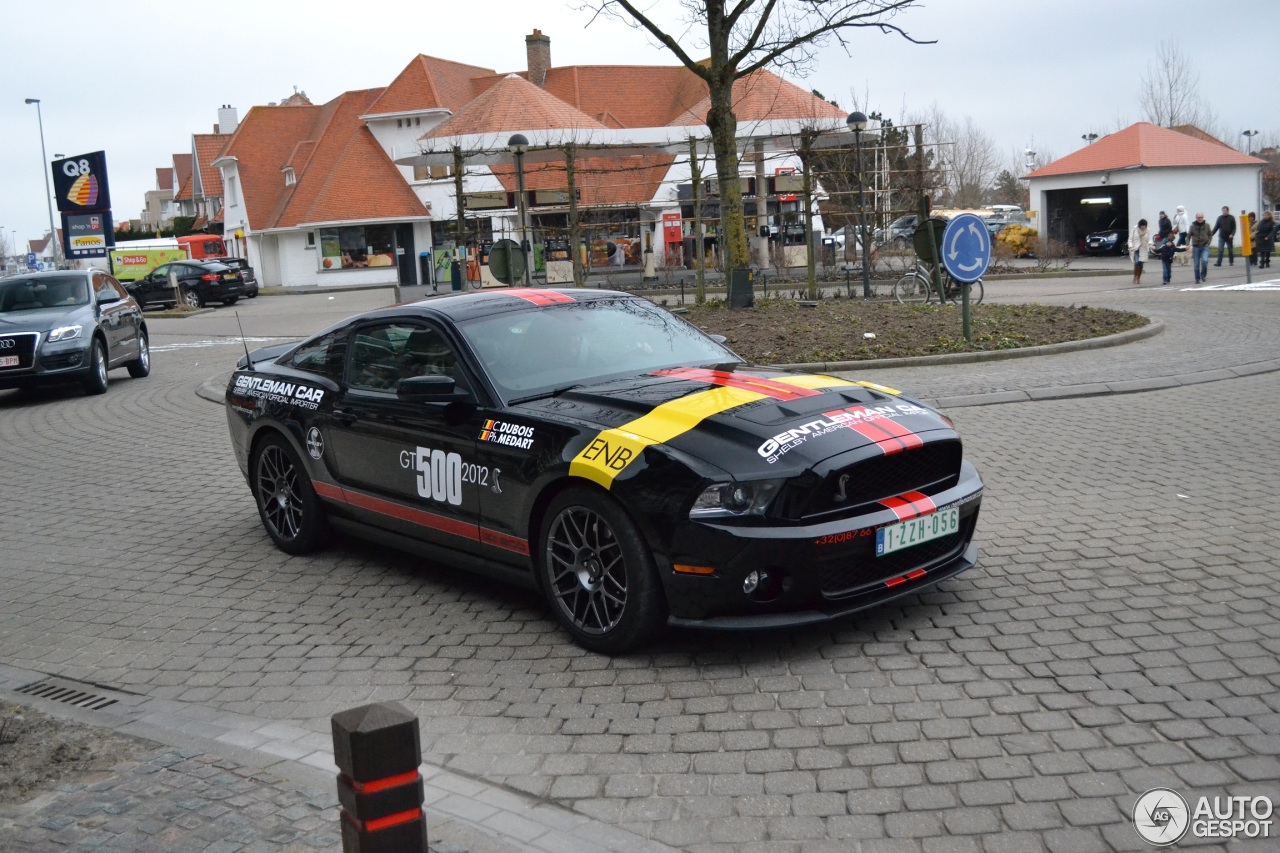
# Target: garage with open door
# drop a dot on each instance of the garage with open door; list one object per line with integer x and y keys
{"x": 1074, "y": 213}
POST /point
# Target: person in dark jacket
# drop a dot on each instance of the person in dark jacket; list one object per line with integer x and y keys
{"x": 1165, "y": 248}
{"x": 1264, "y": 238}
{"x": 1225, "y": 228}
{"x": 1200, "y": 236}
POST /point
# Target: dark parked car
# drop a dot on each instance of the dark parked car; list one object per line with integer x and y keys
{"x": 1112, "y": 240}
{"x": 69, "y": 326}
{"x": 594, "y": 446}
{"x": 199, "y": 283}
{"x": 250, "y": 279}
{"x": 899, "y": 232}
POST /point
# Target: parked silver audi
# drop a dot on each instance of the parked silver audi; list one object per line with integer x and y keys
{"x": 69, "y": 326}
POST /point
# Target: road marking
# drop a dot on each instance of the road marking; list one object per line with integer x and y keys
{"x": 213, "y": 342}
{"x": 1271, "y": 284}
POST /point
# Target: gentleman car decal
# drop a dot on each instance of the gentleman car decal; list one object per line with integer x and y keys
{"x": 431, "y": 520}
{"x": 612, "y": 450}
{"x": 512, "y": 435}
{"x": 880, "y": 427}
{"x": 888, "y": 435}
{"x": 539, "y": 297}
{"x": 278, "y": 391}
{"x": 909, "y": 505}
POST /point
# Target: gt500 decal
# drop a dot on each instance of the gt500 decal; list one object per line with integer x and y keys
{"x": 279, "y": 392}
{"x": 439, "y": 474}
{"x": 611, "y": 451}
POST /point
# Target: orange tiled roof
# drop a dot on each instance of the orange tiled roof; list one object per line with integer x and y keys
{"x": 764, "y": 95}
{"x": 208, "y": 147}
{"x": 1145, "y": 145}
{"x": 627, "y": 95}
{"x": 430, "y": 83}
{"x": 341, "y": 171}
{"x": 182, "y": 174}
{"x": 602, "y": 180}
{"x": 513, "y": 103}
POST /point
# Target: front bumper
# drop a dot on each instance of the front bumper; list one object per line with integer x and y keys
{"x": 816, "y": 572}
{"x": 53, "y": 364}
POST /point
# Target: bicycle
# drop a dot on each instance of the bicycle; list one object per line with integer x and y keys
{"x": 917, "y": 286}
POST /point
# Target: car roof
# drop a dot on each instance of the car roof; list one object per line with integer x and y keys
{"x": 51, "y": 273}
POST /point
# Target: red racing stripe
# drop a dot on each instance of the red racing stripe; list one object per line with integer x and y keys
{"x": 910, "y": 505}
{"x": 539, "y": 297}
{"x": 768, "y": 387}
{"x": 430, "y": 520}
{"x": 883, "y": 430}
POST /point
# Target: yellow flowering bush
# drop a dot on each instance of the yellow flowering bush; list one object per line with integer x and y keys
{"x": 1018, "y": 240}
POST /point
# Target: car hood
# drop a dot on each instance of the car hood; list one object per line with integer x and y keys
{"x": 755, "y": 422}
{"x": 1113, "y": 233}
{"x": 42, "y": 320}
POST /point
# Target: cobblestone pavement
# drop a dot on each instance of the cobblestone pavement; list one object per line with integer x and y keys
{"x": 1119, "y": 634}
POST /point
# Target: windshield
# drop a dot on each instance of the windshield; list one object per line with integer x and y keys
{"x": 33, "y": 294}
{"x": 582, "y": 343}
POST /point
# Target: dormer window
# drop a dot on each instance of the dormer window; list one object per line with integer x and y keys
{"x": 290, "y": 178}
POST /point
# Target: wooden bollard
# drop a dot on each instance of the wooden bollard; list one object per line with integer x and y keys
{"x": 378, "y": 750}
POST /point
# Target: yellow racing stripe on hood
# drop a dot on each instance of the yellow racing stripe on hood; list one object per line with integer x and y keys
{"x": 612, "y": 450}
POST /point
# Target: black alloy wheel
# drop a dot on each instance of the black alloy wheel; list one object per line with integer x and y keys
{"x": 287, "y": 504}
{"x": 598, "y": 575}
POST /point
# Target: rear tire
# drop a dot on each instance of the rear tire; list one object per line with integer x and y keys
{"x": 191, "y": 298}
{"x": 231, "y": 300}
{"x": 287, "y": 504}
{"x": 96, "y": 380}
{"x": 141, "y": 367}
{"x": 598, "y": 574}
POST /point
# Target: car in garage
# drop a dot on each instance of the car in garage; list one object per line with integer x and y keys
{"x": 594, "y": 446}
{"x": 1112, "y": 240}
{"x": 198, "y": 284}
{"x": 69, "y": 326}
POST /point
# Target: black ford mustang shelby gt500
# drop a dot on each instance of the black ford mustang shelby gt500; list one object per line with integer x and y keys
{"x": 615, "y": 456}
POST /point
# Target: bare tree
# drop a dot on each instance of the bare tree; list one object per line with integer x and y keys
{"x": 967, "y": 157}
{"x": 1170, "y": 90}
{"x": 742, "y": 37}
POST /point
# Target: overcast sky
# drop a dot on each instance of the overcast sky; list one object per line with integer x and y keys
{"x": 137, "y": 78}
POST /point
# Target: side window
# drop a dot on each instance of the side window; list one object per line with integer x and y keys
{"x": 383, "y": 355}
{"x": 322, "y": 356}
{"x": 117, "y": 286}
{"x": 102, "y": 288}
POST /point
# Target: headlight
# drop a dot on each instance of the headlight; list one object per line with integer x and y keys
{"x": 64, "y": 333}
{"x": 725, "y": 500}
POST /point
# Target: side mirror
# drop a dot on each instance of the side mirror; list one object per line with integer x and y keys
{"x": 426, "y": 389}
{"x": 718, "y": 338}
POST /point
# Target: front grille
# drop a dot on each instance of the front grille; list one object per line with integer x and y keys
{"x": 23, "y": 345}
{"x": 851, "y": 571}
{"x": 930, "y": 468}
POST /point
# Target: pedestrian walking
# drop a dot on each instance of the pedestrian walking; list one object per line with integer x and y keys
{"x": 1200, "y": 237}
{"x": 1164, "y": 249}
{"x": 1264, "y": 239}
{"x": 1181, "y": 228}
{"x": 1225, "y": 228}
{"x": 1139, "y": 248}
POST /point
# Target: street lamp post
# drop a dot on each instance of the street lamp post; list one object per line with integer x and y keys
{"x": 44, "y": 167}
{"x": 1089, "y": 137}
{"x": 1248, "y": 137}
{"x": 517, "y": 145}
{"x": 857, "y": 122}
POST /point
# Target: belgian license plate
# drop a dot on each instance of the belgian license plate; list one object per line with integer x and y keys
{"x": 8, "y": 361}
{"x": 905, "y": 534}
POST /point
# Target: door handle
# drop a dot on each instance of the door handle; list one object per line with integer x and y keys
{"x": 344, "y": 417}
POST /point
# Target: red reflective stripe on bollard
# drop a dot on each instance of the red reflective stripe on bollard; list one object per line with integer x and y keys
{"x": 392, "y": 820}
{"x": 383, "y": 784}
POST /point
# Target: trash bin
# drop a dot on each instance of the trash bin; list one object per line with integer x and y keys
{"x": 455, "y": 274}
{"x": 741, "y": 288}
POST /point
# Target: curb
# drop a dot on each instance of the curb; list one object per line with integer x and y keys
{"x": 1150, "y": 330}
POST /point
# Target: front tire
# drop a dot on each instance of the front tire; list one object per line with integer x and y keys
{"x": 287, "y": 504}
{"x": 95, "y": 382}
{"x": 141, "y": 366}
{"x": 597, "y": 573}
